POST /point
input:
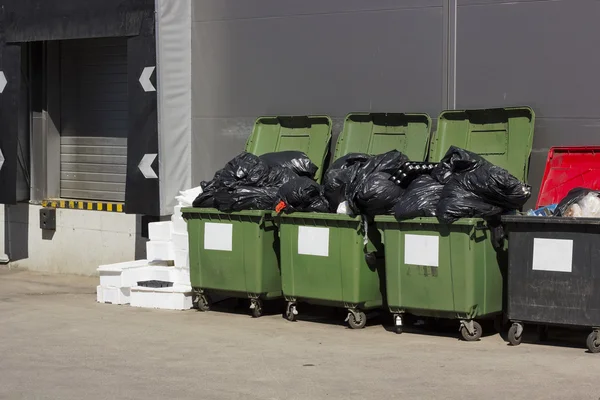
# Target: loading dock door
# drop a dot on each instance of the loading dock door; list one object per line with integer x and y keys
{"x": 94, "y": 119}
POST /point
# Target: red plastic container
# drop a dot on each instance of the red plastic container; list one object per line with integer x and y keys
{"x": 568, "y": 168}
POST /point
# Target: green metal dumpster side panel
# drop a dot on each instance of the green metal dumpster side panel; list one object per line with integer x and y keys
{"x": 466, "y": 280}
{"x": 250, "y": 267}
{"x": 377, "y": 133}
{"x": 310, "y": 134}
{"x": 467, "y": 283}
{"x": 341, "y": 278}
{"x": 503, "y": 136}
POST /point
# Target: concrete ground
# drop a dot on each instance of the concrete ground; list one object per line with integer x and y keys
{"x": 56, "y": 342}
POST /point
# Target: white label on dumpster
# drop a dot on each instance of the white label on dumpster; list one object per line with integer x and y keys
{"x": 218, "y": 236}
{"x": 554, "y": 255}
{"x": 422, "y": 250}
{"x": 313, "y": 241}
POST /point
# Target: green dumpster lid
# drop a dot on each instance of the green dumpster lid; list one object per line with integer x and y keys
{"x": 377, "y": 133}
{"x": 503, "y": 136}
{"x": 310, "y": 134}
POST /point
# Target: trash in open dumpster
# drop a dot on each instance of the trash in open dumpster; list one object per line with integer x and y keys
{"x": 474, "y": 187}
{"x": 301, "y": 194}
{"x": 420, "y": 199}
{"x": 579, "y": 202}
{"x": 296, "y": 161}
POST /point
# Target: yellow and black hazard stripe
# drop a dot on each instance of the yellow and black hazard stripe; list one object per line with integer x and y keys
{"x": 83, "y": 205}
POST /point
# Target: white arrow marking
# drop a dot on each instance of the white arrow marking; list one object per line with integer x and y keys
{"x": 3, "y": 83}
{"x": 145, "y": 79}
{"x": 146, "y": 166}
{"x": 1, "y": 159}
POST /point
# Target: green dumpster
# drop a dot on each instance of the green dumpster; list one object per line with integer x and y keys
{"x": 324, "y": 256}
{"x": 237, "y": 254}
{"x": 453, "y": 271}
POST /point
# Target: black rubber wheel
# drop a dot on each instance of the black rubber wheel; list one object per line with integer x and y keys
{"x": 593, "y": 342}
{"x": 471, "y": 337}
{"x": 203, "y": 303}
{"x": 289, "y": 315}
{"x": 257, "y": 311}
{"x": 357, "y": 322}
{"x": 513, "y": 339}
{"x": 398, "y": 329}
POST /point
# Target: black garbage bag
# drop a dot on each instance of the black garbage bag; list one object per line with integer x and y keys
{"x": 301, "y": 195}
{"x": 475, "y": 187}
{"x": 420, "y": 199}
{"x": 245, "y": 198}
{"x": 243, "y": 169}
{"x": 574, "y": 196}
{"x": 457, "y": 202}
{"x": 456, "y": 160}
{"x": 296, "y": 161}
{"x": 206, "y": 198}
{"x": 339, "y": 175}
{"x": 364, "y": 185}
{"x": 377, "y": 194}
{"x": 278, "y": 176}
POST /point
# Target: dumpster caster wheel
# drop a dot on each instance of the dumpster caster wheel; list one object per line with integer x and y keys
{"x": 203, "y": 303}
{"x": 474, "y": 334}
{"x": 398, "y": 323}
{"x": 357, "y": 319}
{"x": 593, "y": 342}
{"x": 256, "y": 308}
{"x": 291, "y": 312}
{"x": 515, "y": 334}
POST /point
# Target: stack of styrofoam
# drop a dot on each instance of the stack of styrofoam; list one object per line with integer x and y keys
{"x": 168, "y": 242}
{"x": 116, "y": 281}
{"x": 177, "y": 297}
{"x": 167, "y": 253}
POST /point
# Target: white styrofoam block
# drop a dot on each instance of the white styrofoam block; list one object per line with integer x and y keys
{"x": 113, "y": 295}
{"x": 177, "y": 210}
{"x": 180, "y": 276}
{"x": 151, "y": 273}
{"x": 178, "y": 297}
{"x": 180, "y": 241}
{"x": 159, "y": 273}
{"x": 112, "y": 275}
{"x": 159, "y": 250}
{"x": 179, "y": 224}
{"x": 160, "y": 231}
{"x": 182, "y": 259}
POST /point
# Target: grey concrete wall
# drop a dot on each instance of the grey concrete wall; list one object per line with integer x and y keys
{"x": 536, "y": 53}
{"x": 261, "y": 57}
{"x": 277, "y": 57}
{"x": 83, "y": 239}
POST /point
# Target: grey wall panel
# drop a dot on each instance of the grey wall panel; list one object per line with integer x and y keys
{"x": 307, "y": 58}
{"x": 334, "y": 63}
{"x": 214, "y": 10}
{"x": 174, "y": 96}
{"x": 536, "y": 53}
{"x": 214, "y": 142}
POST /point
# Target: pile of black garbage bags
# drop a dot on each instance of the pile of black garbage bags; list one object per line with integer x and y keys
{"x": 249, "y": 182}
{"x": 462, "y": 184}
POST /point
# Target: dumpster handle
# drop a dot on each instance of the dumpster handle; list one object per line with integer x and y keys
{"x": 480, "y": 226}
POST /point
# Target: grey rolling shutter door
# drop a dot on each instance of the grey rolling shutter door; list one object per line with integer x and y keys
{"x": 94, "y": 119}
